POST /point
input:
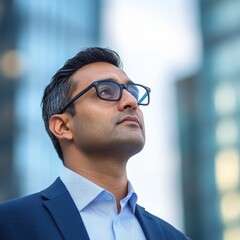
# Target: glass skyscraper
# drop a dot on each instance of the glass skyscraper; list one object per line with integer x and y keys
{"x": 39, "y": 36}
{"x": 209, "y": 121}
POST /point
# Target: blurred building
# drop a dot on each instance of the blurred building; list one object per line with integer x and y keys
{"x": 37, "y": 37}
{"x": 9, "y": 70}
{"x": 209, "y": 123}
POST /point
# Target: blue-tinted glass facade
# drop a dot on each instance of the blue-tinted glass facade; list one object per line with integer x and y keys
{"x": 209, "y": 128}
{"x": 48, "y": 33}
{"x": 9, "y": 22}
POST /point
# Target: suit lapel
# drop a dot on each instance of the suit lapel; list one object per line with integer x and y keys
{"x": 151, "y": 228}
{"x": 64, "y": 212}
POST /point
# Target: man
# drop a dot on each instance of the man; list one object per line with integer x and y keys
{"x": 91, "y": 112}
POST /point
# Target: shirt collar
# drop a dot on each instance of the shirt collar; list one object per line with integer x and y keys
{"x": 84, "y": 191}
{"x": 131, "y": 198}
{"x": 81, "y": 189}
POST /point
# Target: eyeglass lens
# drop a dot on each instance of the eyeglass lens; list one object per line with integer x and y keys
{"x": 108, "y": 90}
{"x": 112, "y": 91}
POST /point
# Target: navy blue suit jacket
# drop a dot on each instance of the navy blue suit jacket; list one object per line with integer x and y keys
{"x": 52, "y": 215}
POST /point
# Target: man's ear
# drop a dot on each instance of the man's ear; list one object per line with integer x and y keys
{"x": 59, "y": 125}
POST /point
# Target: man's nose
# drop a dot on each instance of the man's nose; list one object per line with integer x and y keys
{"x": 127, "y": 100}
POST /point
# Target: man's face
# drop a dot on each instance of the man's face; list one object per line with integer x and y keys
{"x": 106, "y": 127}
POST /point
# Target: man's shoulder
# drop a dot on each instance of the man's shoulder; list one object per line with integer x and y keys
{"x": 20, "y": 204}
{"x": 56, "y": 188}
{"x": 168, "y": 230}
{"x": 31, "y": 217}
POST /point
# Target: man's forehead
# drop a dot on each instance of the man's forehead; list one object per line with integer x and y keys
{"x": 99, "y": 71}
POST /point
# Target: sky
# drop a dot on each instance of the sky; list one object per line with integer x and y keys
{"x": 159, "y": 43}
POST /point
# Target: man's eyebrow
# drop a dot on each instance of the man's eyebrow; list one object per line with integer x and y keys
{"x": 128, "y": 81}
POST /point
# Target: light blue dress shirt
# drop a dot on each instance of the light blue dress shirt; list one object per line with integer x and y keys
{"x": 98, "y": 209}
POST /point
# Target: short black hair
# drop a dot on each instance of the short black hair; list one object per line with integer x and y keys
{"x": 58, "y": 92}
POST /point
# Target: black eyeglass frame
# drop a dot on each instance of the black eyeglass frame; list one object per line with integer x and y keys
{"x": 121, "y": 86}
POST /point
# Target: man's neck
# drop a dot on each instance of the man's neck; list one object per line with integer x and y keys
{"x": 106, "y": 174}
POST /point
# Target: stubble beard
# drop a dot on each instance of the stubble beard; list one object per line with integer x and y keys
{"x": 121, "y": 146}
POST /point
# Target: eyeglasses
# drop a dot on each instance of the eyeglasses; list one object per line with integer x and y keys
{"x": 112, "y": 91}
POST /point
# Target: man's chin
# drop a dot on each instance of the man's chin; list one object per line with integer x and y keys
{"x": 131, "y": 146}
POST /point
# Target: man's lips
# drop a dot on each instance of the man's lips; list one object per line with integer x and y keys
{"x": 132, "y": 119}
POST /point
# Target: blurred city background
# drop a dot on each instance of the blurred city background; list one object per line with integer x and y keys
{"x": 186, "y": 51}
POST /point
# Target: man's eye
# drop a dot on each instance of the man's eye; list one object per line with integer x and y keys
{"x": 105, "y": 92}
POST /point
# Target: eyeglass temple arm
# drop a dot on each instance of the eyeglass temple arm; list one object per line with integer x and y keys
{"x": 75, "y": 98}
{"x": 143, "y": 97}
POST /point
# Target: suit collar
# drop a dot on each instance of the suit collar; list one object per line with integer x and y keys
{"x": 64, "y": 212}
{"x": 69, "y": 222}
{"x": 151, "y": 228}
